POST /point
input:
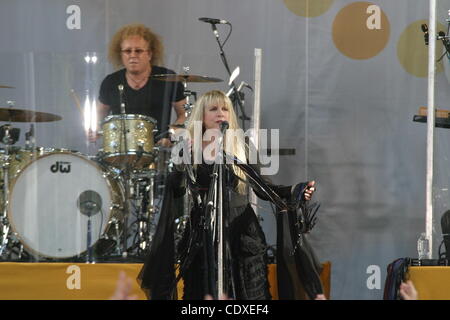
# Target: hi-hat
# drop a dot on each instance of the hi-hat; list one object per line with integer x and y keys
{"x": 9, "y": 87}
{"x": 184, "y": 78}
{"x": 20, "y": 115}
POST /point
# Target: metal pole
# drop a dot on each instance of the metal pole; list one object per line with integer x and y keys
{"x": 220, "y": 276}
{"x": 256, "y": 115}
{"x": 430, "y": 126}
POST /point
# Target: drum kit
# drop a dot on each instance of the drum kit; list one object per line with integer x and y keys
{"x": 59, "y": 205}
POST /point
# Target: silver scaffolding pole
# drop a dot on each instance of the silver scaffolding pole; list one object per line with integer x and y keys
{"x": 430, "y": 126}
{"x": 256, "y": 115}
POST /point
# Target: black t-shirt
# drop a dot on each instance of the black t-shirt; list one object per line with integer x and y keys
{"x": 153, "y": 100}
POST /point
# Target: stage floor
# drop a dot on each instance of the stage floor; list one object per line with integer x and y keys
{"x": 81, "y": 281}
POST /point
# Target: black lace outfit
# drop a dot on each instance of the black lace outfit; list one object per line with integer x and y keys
{"x": 246, "y": 253}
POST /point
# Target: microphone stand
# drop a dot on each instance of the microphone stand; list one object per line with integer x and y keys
{"x": 208, "y": 234}
{"x": 237, "y": 96}
{"x": 214, "y": 215}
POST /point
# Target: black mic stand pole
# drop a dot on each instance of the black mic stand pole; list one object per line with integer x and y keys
{"x": 215, "y": 222}
{"x": 237, "y": 96}
{"x": 224, "y": 251}
{"x": 220, "y": 238}
{"x": 208, "y": 235}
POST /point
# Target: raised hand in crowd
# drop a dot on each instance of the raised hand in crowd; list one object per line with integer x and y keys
{"x": 408, "y": 291}
{"x": 124, "y": 288}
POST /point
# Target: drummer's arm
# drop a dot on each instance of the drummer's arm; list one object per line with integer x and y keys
{"x": 181, "y": 118}
{"x": 180, "y": 112}
{"x": 102, "y": 110}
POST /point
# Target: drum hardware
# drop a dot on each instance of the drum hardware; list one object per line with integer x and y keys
{"x": 184, "y": 79}
{"x": 142, "y": 197}
{"x": 127, "y": 137}
{"x": 8, "y": 134}
{"x": 128, "y": 143}
{"x": 147, "y": 213}
{"x": 8, "y": 140}
{"x": 124, "y": 249}
{"x": 177, "y": 126}
{"x": 110, "y": 244}
{"x": 12, "y": 163}
{"x": 30, "y": 140}
{"x": 14, "y": 249}
{"x": 126, "y": 166}
{"x": 47, "y": 220}
{"x": 89, "y": 203}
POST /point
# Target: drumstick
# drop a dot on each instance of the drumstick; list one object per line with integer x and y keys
{"x": 77, "y": 101}
{"x": 78, "y": 104}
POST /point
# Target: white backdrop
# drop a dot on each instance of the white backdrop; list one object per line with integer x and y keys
{"x": 348, "y": 117}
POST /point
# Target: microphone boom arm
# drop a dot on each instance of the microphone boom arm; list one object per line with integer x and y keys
{"x": 244, "y": 116}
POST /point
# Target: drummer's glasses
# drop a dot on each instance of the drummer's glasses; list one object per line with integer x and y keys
{"x": 130, "y": 51}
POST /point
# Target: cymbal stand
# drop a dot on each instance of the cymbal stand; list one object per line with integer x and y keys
{"x": 30, "y": 140}
{"x": 5, "y": 226}
{"x": 144, "y": 226}
{"x": 142, "y": 194}
{"x": 187, "y": 93}
{"x": 126, "y": 175}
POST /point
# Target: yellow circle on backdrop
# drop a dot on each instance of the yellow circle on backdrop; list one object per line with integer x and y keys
{"x": 412, "y": 51}
{"x": 361, "y": 30}
{"x": 308, "y": 8}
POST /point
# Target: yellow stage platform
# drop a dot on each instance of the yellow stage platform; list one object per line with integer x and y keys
{"x": 432, "y": 283}
{"x": 79, "y": 281}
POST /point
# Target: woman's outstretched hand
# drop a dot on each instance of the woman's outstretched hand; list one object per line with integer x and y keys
{"x": 303, "y": 191}
{"x": 309, "y": 191}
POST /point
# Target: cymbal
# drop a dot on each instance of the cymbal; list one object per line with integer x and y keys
{"x": 184, "y": 78}
{"x": 6, "y": 87}
{"x": 20, "y": 115}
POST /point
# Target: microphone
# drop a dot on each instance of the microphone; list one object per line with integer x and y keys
{"x": 89, "y": 202}
{"x": 445, "y": 226}
{"x": 213, "y": 21}
{"x": 122, "y": 105}
{"x": 445, "y": 41}
{"x": 425, "y": 31}
{"x": 224, "y": 126}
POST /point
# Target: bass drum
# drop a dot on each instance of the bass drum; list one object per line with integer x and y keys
{"x": 45, "y": 201}
{"x": 20, "y": 157}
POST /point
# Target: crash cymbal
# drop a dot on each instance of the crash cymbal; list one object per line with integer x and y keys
{"x": 20, "y": 115}
{"x": 6, "y": 87}
{"x": 184, "y": 78}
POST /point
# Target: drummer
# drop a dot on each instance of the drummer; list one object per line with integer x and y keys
{"x": 138, "y": 54}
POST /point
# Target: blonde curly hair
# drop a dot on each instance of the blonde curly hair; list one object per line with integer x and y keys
{"x": 237, "y": 146}
{"x": 135, "y": 29}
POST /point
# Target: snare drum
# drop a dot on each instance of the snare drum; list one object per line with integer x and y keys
{"x": 44, "y": 207}
{"x": 137, "y": 149}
